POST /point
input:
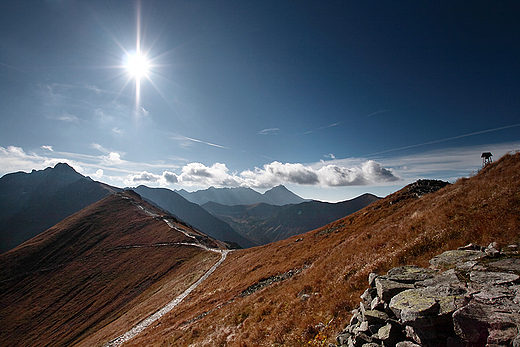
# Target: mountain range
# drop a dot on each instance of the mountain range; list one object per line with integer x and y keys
{"x": 33, "y": 202}
{"x": 193, "y": 214}
{"x": 278, "y": 195}
{"x": 263, "y": 223}
{"x": 91, "y": 278}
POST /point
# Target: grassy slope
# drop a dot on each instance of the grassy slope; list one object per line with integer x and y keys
{"x": 399, "y": 229}
{"x": 79, "y": 277}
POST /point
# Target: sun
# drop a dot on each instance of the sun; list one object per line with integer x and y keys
{"x": 136, "y": 64}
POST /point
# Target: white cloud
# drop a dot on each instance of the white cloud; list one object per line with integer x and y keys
{"x": 99, "y": 147}
{"x": 272, "y": 174}
{"x": 14, "y": 159}
{"x": 49, "y": 148}
{"x": 98, "y": 174}
{"x": 113, "y": 158}
{"x": 215, "y": 175}
{"x": 117, "y": 131}
{"x": 145, "y": 177}
{"x": 67, "y": 117}
{"x": 270, "y": 131}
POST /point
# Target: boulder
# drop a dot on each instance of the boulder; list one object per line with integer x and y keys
{"x": 410, "y": 274}
{"x": 476, "y": 322}
{"x": 375, "y": 317}
{"x": 386, "y": 288}
{"x": 449, "y": 259}
{"x": 429, "y": 306}
{"x": 493, "y": 278}
{"x": 474, "y": 302}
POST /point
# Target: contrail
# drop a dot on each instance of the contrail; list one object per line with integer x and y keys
{"x": 447, "y": 139}
{"x": 203, "y": 142}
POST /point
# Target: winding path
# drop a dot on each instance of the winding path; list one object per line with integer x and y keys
{"x": 118, "y": 341}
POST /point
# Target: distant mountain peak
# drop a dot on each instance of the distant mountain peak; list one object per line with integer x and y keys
{"x": 64, "y": 167}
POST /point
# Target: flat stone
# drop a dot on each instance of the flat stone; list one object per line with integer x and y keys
{"x": 375, "y": 317}
{"x": 426, "y": 307}
{"x": 447, "y": 277}
{"x": 386, "y": 289}
{"x": 371, "y": 344}
{"x": 493, "y": 278}
{"x": 449, "y": 259}
{"x": 410, "y": 274}
{"x": 362, "y": 328}
{"x": 389, "y": 334}
{"x": 475, "y": 321}
{"x": 508, "y": 264}
{"x": 493, "y": 295}
{"x": 407, "y": 344}
{"x": 502, "y": 337}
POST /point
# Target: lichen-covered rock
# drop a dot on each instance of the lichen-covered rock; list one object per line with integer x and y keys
{"x": 386, "y": 289}
{"x": 492, "y": 278}
{"x": 426, "y": 307}
{"x": 449, "y": 259}
{"x": 375, "y": 317}
{"x": 474, "y": 302}
{"x": 410, "y": 274}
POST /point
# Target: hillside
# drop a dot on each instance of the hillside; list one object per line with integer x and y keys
{"x": 112, "y": 262}
{"x": 33, "y": 202}
{"x": 279, "y": 196}
{"x": 86, "y": 291}
{"x": 264, "y": 223}
{"x": 193, "y": 214}
{"x": 300, "y": 291}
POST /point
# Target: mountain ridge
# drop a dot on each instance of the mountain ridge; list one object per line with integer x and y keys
{"x": 192, "y": 214}
{"x": 32, "y": 202}
{"x": 278, "y": 195}
{"x": 264, "y": 223}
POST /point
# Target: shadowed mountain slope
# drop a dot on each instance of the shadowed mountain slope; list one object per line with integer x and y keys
{"x": 193, "y": 214}
{"x": 33, "y": 202}
{"x": 300, "y": 291}
{"x": 295, "y": 292}
{"x": 265, "y": 223}
{"x": 279, "y": 196}
{"x": 114, "y": 260}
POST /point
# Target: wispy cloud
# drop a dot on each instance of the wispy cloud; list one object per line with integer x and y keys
{"x": 377, "y": 112}
{"x": 66, "y": 117}
{"x": 446, "y": 139}
{"x": 49, "y": 148}
{"x": 185, "y": 138}
{"x": 269, "y": 131}
{"x": 320, "y": 128}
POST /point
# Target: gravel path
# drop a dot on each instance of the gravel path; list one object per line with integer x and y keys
{"x": 154, "y": 317}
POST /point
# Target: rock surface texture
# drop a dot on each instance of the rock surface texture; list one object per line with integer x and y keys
{"x": 468, "y": 297}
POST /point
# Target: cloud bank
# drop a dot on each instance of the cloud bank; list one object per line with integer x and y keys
{"x": 272, "y": 174}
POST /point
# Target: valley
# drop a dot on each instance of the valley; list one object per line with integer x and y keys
{"x": 125, "y": 267}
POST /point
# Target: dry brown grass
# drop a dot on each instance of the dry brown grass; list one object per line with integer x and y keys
{"x": 78, "y": 278}
{"x": 311, "y": 307}
{"x": 393, "y": 231}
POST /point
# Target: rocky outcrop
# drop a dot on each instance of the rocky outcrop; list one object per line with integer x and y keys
{"x": 468, "y": 297}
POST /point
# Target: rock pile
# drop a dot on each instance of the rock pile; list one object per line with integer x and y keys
{"x": 468, "y": 297}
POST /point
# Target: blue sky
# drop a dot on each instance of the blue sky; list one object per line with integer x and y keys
{"x": 332, "y": 99}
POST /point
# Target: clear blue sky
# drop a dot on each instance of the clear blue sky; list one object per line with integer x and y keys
{"x": 330, "y": 98}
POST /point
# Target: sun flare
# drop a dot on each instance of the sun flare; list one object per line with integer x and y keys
{"x": 136, "y": 64}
